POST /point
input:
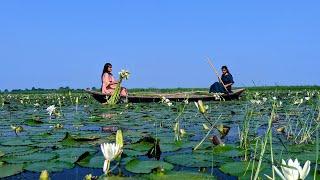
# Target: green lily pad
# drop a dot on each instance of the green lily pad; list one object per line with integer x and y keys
{"x": 142, "y": 146}
{"x": 133, "y": 153}
{"x": 106, "y": 177}
{"x": 17, "y": 150}
{"x": 36, "y": 157}
{"x": 303, "y": 157}
{"x": 7, "y": 170}
{"x": 194, "y": 160}
{"x": 144, "y": 167}
{"x": 92, "y": 161}
{"x": 76, "y": 140}
{"x": 51, "y": 166}
{"x": 169, "y": 147}
{"x": 33, "y": 122}
{"x": 72, "y": 155}
{"x": 48, "y": 137}
{"x": 238, "y": 169}
{"x": 1, "y": 154}
{"x": 228, "y": 151}
{"x": 180, "y": 175}
{"x": 17, "y": 142}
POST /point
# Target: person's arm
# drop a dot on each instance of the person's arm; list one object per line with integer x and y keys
{"x": 230, "y": 80}
{"x": 105, "y": 83}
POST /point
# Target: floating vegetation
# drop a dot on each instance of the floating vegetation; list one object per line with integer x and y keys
{"x": 53, "y": 134}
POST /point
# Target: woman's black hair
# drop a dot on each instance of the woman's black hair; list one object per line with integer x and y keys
{"x": 226, "y": 68}
{"x": 105, "y": 69}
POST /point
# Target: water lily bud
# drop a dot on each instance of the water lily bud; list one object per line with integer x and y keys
{"x": 201, "y": 107}
{"x": 88, "y": 177}
{"x": 182, "y": 131}
{"x": 44, "y": 175}
{"x": 281, "y": 129}
{"x": 176, "y": 127}
{"x": 216, "y": 141}
{"x": 205, "y": 127}
{"x": 119, "y": 138}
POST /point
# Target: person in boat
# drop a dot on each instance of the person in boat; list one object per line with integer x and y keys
{"x": 109, "y": 83}
{"x": 227, "y": 80}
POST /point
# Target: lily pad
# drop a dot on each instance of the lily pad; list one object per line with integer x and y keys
{"x": 72, "y": 155}
{"x": 144, "y": 167}
{"x": 92, "y": 161}
{"x": 17, "y": 150}
{"x": 7, "y": 170}
{"x": 142, "y": 146}
{"x": 33, "y": 122}
{"x": 238, "y": 168}
{"x": 180, "y": 175}
{"x": 51, "y": 166}
{"x": 1, "y": 154}
{"x": 169, "y": 147}
{"x": 133, "y": 153}
{"x": 194, "y": 160}
{"x": 36, "y": 157}
{"x": 17, "y": 142}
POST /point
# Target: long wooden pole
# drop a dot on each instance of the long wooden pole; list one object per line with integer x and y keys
{"x": 216, "y": 72}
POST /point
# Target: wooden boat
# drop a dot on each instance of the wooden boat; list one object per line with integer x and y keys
{"x": 157, "y": 97}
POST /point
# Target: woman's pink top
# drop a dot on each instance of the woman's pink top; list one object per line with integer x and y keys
{"x": 109, "y": 84}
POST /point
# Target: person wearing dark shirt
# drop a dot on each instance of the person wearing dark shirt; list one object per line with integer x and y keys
{"x": 227, "y": 80}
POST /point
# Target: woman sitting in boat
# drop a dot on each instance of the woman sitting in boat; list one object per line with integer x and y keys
{"x": 227, "y": 80}
{"x": 109, "y": 83}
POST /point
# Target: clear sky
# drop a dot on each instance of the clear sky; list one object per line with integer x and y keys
{"x": 164, "y": 43}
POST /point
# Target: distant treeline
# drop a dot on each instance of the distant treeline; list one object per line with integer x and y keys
{"x": 44, "y": 91}
{"x": 168, "y": 90}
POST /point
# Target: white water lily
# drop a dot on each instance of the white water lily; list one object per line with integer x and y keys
{"x": 293, "y": 170}
{"x": 51, "y": 109}
{"x": 166, "y": 101}
{"x": 110, "y": 152}
{"x": 307, "y": 98}
{"x": 258, "y": 102}
{"x": 186, "y": 101}
{"x": 274, "y": 98}
{"x": 264, "y": 99}
{"x": 298, "y": 101}
{"x": 182, "y": 131}
{"x": 124, "y": 74}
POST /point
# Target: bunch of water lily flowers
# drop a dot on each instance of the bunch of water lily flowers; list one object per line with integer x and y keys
{"x": 166, "y": 101}
{"x": 124, "y": 74}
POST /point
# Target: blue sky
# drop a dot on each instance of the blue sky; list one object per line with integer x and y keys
{"x": 164, "y": 43}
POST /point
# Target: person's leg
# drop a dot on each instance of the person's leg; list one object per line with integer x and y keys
{"x": 214, "y": 88}
{"x": 123, "y": 92}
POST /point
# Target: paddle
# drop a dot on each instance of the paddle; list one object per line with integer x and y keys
{"x": 216, "y": 72}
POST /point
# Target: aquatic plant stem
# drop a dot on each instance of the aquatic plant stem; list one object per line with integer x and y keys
{"x": 271, "y": 153}
{"x": 107, "y": 167}
{"x": 264, "y": 143}
{"x": 116, "y": 94}
{"x": 317, "y": 155}
{"x": 208, "y": 133}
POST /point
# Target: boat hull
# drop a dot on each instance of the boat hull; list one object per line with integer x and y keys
{"x": 191, "y": 96}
